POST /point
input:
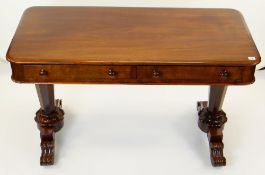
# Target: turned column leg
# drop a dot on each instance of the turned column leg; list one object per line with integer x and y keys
{"x": 49, "y": 119}
{"x": 211, "y": 120}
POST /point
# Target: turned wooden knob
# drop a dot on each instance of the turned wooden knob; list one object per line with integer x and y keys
{"x": 156, "y": 73}
{"x": 111, "y": 73}
{"x": 43, "y": 72}
{"x": 224, "y": 74}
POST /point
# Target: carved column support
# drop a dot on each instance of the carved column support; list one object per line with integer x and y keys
{"x": 211, "y": 121}
{"x": 49, "y": 119}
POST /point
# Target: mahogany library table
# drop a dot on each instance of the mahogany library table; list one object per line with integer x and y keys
{"x": 117, "y": 45}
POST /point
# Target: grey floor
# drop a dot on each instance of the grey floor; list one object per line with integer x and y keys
{"x": 129, "y": 130}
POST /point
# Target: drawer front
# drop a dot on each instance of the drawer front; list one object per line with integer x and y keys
{"x": 133, "y": 74}
{"x": 77, "y": 73}
{"x": 189, "y": 74}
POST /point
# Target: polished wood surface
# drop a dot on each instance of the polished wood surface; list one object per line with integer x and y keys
{"x": 132, "y": 36}
{"x": 132, "y": 46}
{"x": 49, "y": 119}
{"x": 211, "y": 120}
{"x": 133, "y": 74}
{"x": 46, "y": 97}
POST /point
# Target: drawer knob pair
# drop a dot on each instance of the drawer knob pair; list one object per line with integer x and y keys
{"x": 111, "y": 73}
{"x": 224, "y": 74}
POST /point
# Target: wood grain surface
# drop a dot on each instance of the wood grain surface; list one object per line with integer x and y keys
{"x": 132, "y": 36}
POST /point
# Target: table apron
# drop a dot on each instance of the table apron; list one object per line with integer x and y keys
{"x": 137, "y": 74}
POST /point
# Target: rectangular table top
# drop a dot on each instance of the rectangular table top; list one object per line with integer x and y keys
{"x": 132, "y": 36}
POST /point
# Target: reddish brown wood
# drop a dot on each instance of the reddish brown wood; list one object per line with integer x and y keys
{"x": 191, "y": 75}
{"x": 46, "y": 97}
{"x": 216, "y": 97}
{"x": 99, "y": 35}
{"x": 65, "y": 41}
{"x": 211, "y": 120}
{"x": 132, "y": 46}
{"x": 49, "y": 120}
{"x": 133, "y": 74}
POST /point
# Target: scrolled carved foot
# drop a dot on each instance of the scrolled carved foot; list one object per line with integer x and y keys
{"x": 216, "y": 145}
{"x": 213, "y": 124}
{"x": 48, "y": 124}
{"x": 47, "y": 149}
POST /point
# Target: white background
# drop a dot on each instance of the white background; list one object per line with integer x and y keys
{"x": 132, "y": 130}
